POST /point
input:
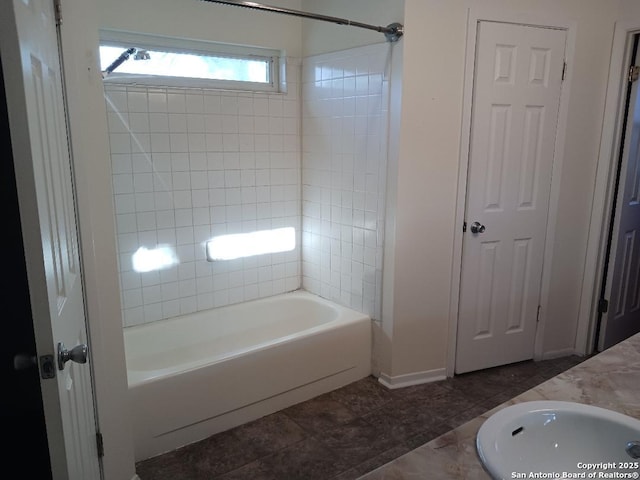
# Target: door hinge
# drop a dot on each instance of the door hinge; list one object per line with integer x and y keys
{"x": 57, "y": 8}
{"x": 603, "y": 305}
{"x": 100, "y": 444}
{"x": 464, "y": 227}
{"x": 564, "y": 70}
{"x": 634, "y": 73}
{"x": 538, "y": 314}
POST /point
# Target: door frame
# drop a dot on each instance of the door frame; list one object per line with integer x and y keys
{"x": 474, "y": 16}
{"x": 603, "y": 197}
{"x": 91, "y": 163}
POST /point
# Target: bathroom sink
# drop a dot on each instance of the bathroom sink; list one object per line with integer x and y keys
{"x": 561, "y": 439}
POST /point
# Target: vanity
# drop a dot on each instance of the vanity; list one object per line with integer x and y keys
{"x": 609, "y": 380}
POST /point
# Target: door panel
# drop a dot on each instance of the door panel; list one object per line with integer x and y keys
{"x": 516, "y": 97}
{"x": 623, "y": 283}
{"x": 29, "y": 47}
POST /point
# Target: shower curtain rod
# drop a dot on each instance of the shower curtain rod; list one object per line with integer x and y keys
{"x": 392, "y": 31}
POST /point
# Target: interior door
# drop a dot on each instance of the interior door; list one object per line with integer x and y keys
{"x": 622, "y": 318}
{"x": 33, "y": 83}
{"x": 516, "y": 97}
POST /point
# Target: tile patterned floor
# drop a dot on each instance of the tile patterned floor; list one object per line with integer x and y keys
{"x": 346, "y": 433}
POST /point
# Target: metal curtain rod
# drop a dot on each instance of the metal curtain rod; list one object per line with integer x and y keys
{"x": 392, "y": 31}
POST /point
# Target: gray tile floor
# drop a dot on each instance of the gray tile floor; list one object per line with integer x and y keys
{"x": 346, "y": 433}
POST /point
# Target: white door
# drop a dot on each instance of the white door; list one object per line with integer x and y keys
{"x": 622, "y": 318}
{"x": 516, "y": 97}
{"x": 29, "y": 52}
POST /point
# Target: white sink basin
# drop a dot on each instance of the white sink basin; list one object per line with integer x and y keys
{"x": 557, "y": 437}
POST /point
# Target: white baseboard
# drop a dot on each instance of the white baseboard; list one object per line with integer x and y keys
{"x": 565, "y": 352}
{"x": 408, "y": 379}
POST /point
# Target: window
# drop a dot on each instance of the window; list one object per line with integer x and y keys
{"x": 163, "y": 61}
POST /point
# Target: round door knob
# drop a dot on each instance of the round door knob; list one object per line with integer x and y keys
{"x": 24, "y": 361}
{"x": 78, "y": 354}
{"x": 477, "y": 227}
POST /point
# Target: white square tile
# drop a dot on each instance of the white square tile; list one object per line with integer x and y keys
{"x": 200, "y": 198}
{"x": 146, "y": 221}
{"x": 176, "y": 103}
{"x": 157, "y": 102}
{"x": 229, "y": 105}
{"x": 137, "y": 102}
{"x": 159, "y": 143}
{"x": 121, "y": 163}
{"x": 122, "y": 184}
{"x": 143, "y": 182}
{"x": 158, "y": 123}
{"x": 217, "y": 197}
{"x": 188, "y": 305}
{"x": 212, "y": 103}
{"x": 201, "y": 215}
{"x": 220, "y": 298}
{"x": 180, "y": 162}
{"x": 183, "y": 217}
{"x": 116, "y": 101}
{"x": 126, "y": 223}
{"x": 197, "y": 142}
{"x": 120, "y": 143}
{"x": 163, "y": 200}
{"x": 185, "y": 235}
{"x": 195, "y": 103}
{"x": 165, "y": 219}
{"x": 125, "y": 203}
{"x": 151, "y": 294}
{"x": 181, "y": 180}
{"x": 169, "y": 276}
{"x": 179, "y": 142}
{"x": 132, "y": 298}
{"x": 170, "y": 308}
{"x": 133, "y": 316}
{"x": 205, "y": 301}
{"x": 213, "y": 123}
{"x": 186, "y": 253}
{"x": 215, "y": 161}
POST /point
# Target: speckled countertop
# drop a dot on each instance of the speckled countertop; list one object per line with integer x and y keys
{"x": 610, "y": 380}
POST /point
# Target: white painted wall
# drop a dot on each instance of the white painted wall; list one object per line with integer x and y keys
{"x": 321, "y": 37}
{"x": 206, "y": 21}
{"x": 629, "y": 9}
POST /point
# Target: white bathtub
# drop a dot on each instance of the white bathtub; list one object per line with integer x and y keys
{"x": 200, "y": 374}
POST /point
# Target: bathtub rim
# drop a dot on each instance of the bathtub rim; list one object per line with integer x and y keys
{"x": 345, "y": 315}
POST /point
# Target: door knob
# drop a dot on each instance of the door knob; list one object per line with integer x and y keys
{"x": 77, "y": 354}
{"x": 24, "y": 361}
{"x": 477, "y": 227}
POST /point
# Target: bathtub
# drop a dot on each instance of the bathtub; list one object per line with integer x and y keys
{"x": 196, "y": 375}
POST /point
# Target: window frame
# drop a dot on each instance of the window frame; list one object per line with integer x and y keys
{"x": 274, "y": 58}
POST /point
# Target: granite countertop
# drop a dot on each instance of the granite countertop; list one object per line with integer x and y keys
{"x": 610, "y": 380}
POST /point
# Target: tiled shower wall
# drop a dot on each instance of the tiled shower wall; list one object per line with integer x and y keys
{"x": 345, "y": 104}
{"x": 189, "y": 164}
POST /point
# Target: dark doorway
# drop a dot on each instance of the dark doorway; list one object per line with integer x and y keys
{"x": 27, "y": 453}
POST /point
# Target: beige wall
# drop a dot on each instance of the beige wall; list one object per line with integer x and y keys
{"x": 433, "y": 80}
{"x": 629, "y": 9}
{"x": 206, "y": 21}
